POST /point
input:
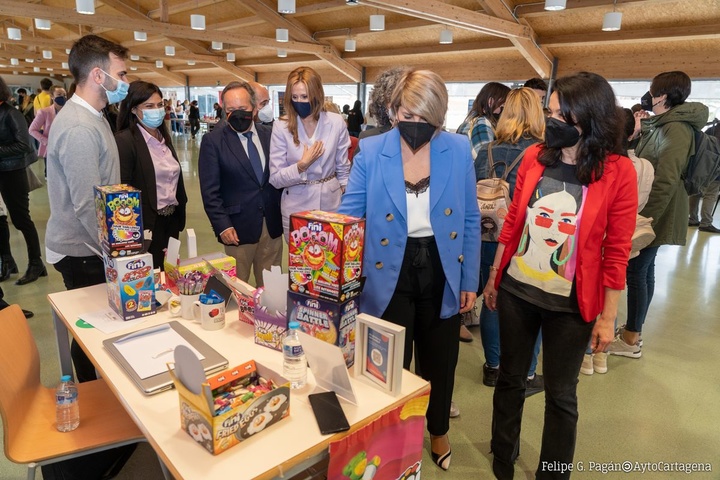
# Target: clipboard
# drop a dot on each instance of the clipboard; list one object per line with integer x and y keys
{"x": 172, "y": 334}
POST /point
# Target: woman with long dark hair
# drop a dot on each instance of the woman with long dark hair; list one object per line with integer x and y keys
{"x": 149, "y": 163}
{"x": 560, "y": 265}
{"x": 355, "y": 119}
{"x": 479, "y": 125}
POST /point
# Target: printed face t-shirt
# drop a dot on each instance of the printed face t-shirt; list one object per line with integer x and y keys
{"x": 542, "y": 271}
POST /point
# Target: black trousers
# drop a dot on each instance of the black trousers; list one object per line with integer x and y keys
{"x": 565, "y": 337}
{"x": 79, "y": 272}
{"x": 4, "y": 236}
{"x": 416, "y": 305}
{"x": 14, "y": 189}
{"x": 194, "y": 125}
{"x": 164, "y": 228}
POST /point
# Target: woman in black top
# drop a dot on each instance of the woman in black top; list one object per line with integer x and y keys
{"x": 355, "y": 119}
{"x": 194, "y": 118}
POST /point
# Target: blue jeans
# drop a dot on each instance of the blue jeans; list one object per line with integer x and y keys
{"x": 489, "y": 323}
{"x": 565, "y": 336}
{"x": 641, "y": 286}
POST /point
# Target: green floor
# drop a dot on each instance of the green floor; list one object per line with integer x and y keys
{"x": 664, "y": 407}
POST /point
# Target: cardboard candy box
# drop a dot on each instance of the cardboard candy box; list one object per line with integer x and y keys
{"x": 194, "y": 265}
{"x": 270, "y": 327}
{"x": 325, "y": 255}
{"x": 119, "y": 216}
{"x": 130, "y": 285}
{"x": 229, "y": 410}
{"x": 329, "y": 321}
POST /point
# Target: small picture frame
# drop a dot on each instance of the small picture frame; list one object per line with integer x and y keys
{"x": 379, "y": 350}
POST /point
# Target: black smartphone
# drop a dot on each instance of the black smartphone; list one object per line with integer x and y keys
{"x": 328, "y": 412}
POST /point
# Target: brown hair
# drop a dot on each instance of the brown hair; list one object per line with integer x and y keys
{"x": 315, "y": 92}
{"x": 521, "y": 116}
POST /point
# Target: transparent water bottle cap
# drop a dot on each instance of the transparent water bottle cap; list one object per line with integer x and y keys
{"x": 294, "y": 325}
{"x": 65, "y": 378}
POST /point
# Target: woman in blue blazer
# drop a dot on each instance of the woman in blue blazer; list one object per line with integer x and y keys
{"x": 415, "y": 185}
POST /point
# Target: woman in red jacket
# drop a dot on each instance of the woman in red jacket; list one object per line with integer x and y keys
{"x": 560, "y": 265}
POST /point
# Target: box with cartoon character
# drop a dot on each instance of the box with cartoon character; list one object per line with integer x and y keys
{"x": 325, "y": 255}
{"x": 119, "y": 217}
{"x": 329, "y": 321}
{"x": 233, "y": 405}
{"x": 130, "y": 285}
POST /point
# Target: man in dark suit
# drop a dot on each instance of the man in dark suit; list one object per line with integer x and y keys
{"x": 243, "y": 208}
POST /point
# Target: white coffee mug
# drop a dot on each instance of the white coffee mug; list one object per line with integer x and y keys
{"x": 174, "y": 306}
{"x": 210, "y": 315}
{"x": 186, "y": 306}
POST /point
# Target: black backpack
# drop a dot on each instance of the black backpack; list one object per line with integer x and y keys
{"x": 704, "y": 165}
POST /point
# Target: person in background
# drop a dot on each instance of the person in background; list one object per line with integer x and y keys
{"x": 40, "y": 127}
{"x": 479, "y": 125}
{"x": 309, "y": 149}
{"x": 243, "y": 208}
{"x": 666, "y": 141}
{"x": 560, "y": 265}
{"x": 335, "y": 108}
{"x": 25, "y": 105}
{"x": 521, "y": 125}
{"x": 355, "y": 119}
{"x": 538, "y": 86}
{"x": 149, "y": 163}
{"x": 82, "y": 153}
{"x": 7, "y": 262}
{"x": 345, "y": 112}
{"x": 380, "y": 99}
{"x": 43, "y": 99}
{"x": 218, "y": 111}
{"x": 194, "y": 118}
{"x": 415, "y": 187}
{"x": 264, "y": 106}
{"x": 4, "y": 304}
{"x": 709, "y": 198}
{"x": 16, "y": 154}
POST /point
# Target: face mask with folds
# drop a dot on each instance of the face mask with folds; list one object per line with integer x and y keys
{"x": 265, "y": 114}
{"x": 120, "y": 92}
{"x": 303, "y": 109}
{"x": 416, "y": 134}
{"x": 240, "y": 120}
{"x": 152, "y": 117}
{"x": 559, "y": 134}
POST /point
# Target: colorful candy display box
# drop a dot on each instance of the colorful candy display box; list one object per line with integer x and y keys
{"x": 119, "y": 217}
{"x": 270, "y": 327}
{"x": 233, "y": 405}
{"x": 325, "y": 255}
{"x": 326, "y": 320}
{"x": 130, "y": 285}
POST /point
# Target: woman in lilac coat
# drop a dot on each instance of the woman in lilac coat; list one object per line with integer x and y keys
{"x": 309, "y": 149}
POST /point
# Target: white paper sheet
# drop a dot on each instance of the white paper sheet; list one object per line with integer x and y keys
{"x": 108, "y": 321}
{"x": 148, "y": 351}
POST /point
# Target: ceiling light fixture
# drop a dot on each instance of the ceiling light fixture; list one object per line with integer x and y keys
{"x": 42, "y": 24}
{"x": 140, "y": 36}
{"x": 86, "y": 7}
{"x": 217, "y": 45}
{"x": 612, "y": 21}
{"x": 47, "y": 54}
{"x": 14, "y": 33}
{"x": 282, "y": 35}
{"x": 191, "y": 62}
{"x": 446, "y": 36}
{"x": 133, "y": 68}
{"x": 230, "y": 57}
{"x": 36, "y": 69}
{"x": 65, "y": 65}
{"x": 377, "y": 23}
{"x": 49, "y": 69}
{"x": 555, "y": 5}
{"x": 282, "y": 53}
{"x": 169, "y": 50}
{"x": 134, "y": 58}
{"x": 14, "y": 61}
{"x": 197, "y": 22}
{"x": 352, "y": 2}
{"x": 350, "y": 44}
{"x": 286, "y": 6}
{"x": 29, "y": 60}
{"x": 159, "y": 63}
{"x": 67, "y": 50}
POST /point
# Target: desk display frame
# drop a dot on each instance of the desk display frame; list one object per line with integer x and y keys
{"x": 379, "y": 350}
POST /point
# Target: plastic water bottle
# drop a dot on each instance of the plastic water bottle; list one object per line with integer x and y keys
{"x": 67, "y": 409}
{"x": 294, "y": 363}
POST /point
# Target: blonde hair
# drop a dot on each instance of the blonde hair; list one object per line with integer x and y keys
{"x": 329, "y": 106}
{"x": 315, "y": 92}
{"x": 522, "y": 116}
{"x": 422, "y": 93}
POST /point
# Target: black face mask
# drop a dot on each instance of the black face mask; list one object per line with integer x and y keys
{"x": 559, "y": 134}
{"x": 646, "y": 102}
{"x": 416, "y": 134}
{"x": 240, "y": 120}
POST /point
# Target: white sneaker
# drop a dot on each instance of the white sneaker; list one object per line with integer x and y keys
{"x": 621, "y": 329}
{"x": 587, "y": 365}
{"x": 454, "y": 410}
{"x": 619, "y": 347}
{"x": 599, "y": 361}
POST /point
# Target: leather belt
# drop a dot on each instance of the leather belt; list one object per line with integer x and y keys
{"x": 167, "y": 211}
{"x": 322, "y": 180}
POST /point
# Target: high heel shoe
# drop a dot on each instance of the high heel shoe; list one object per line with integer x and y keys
{"x": 442, "y": 460}
{"x": 7, "y": 267}
{"x": 36, "y": 269}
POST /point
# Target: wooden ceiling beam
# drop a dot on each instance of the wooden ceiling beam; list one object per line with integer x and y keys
{"x": 21, "y": 9}
{"x": 180, "y": 7}
{"x": 535, "y": 9}
{"x": 235, "y": 71}
{"x": 389, "y": 27}
{"x": 256, "y": 62}
{"x": 540, "y": 58}
{"x": 485, "y": 46}
{"x": 447, "y": 14}
{"x": 696, "y": 32}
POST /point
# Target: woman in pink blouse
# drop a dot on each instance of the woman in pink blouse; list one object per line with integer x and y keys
{"x": 149, "y": 163}
{"x": 40, "y": 126}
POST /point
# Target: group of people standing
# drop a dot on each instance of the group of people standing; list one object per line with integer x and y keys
{"x": 556, "y": 270}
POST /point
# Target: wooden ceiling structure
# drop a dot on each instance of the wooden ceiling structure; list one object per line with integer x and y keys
{"x": 503, "y": 40}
